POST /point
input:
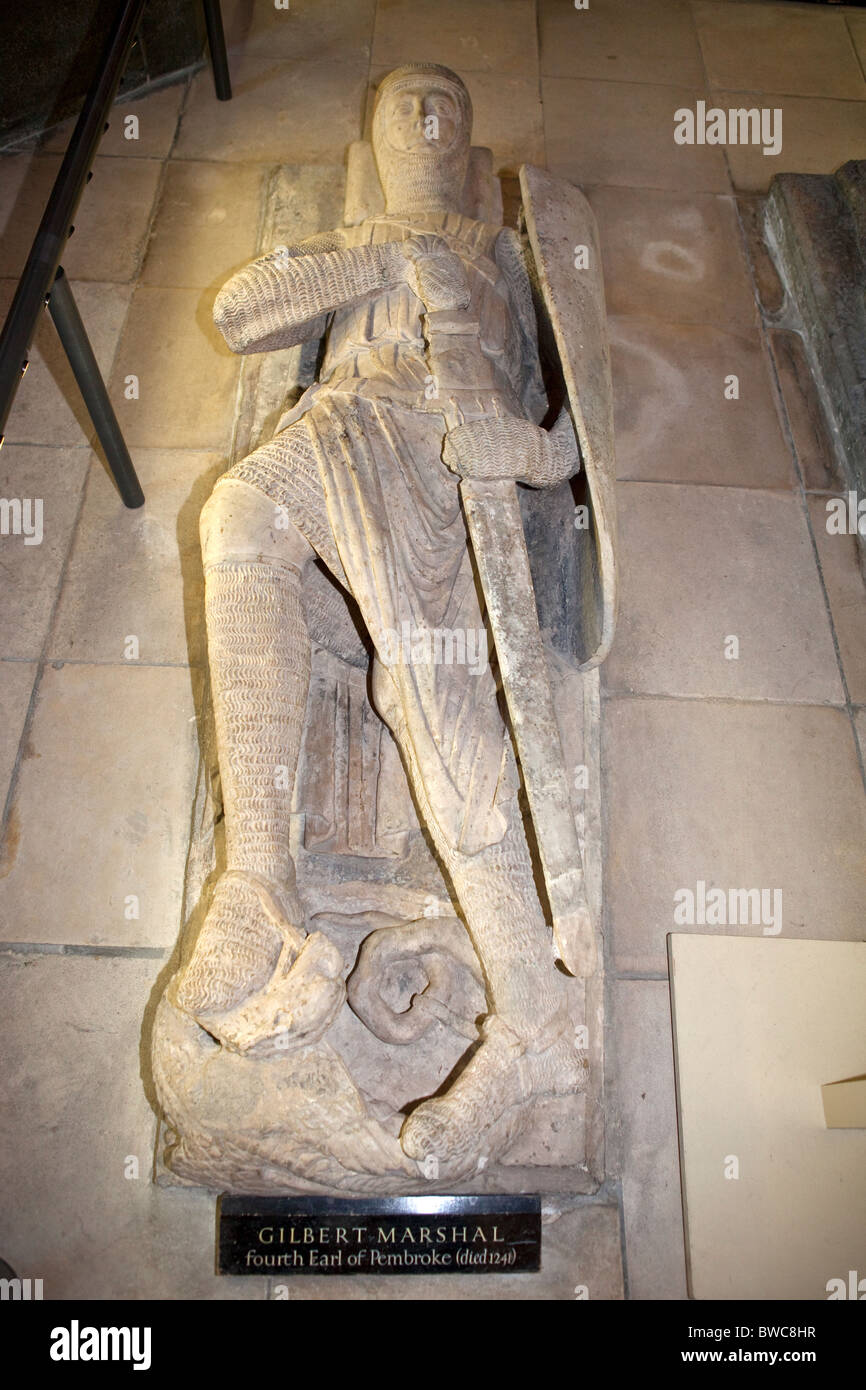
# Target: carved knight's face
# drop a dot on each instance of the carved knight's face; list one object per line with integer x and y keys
{"x": 421, "y": 137}
{"x": 421, "y": 117}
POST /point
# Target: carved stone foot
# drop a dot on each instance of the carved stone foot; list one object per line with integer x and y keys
{"x": 297, "y": 981}
{"x": 295, "y": 1122}
{"x": 490, "y": 1102}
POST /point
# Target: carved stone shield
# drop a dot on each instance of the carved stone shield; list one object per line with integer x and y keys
{"x": 565, "y": 268}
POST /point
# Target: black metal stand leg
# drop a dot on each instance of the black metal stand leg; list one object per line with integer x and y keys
{"x": 216, "y": 41}
{"x": 73, "y": 336}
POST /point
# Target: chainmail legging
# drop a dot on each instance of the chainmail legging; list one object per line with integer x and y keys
{"x": 499, "y": 901}
{"x": 260, "y": 663}
{"x": 259, "y": 655}
{"x": 497, "y": 894}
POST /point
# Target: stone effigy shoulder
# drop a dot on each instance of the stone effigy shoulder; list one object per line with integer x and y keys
{"x": 461, "y": 232}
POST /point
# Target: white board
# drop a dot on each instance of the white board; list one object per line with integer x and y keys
{"x": 759, "y": 1026}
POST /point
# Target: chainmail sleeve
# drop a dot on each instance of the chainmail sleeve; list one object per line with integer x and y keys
{"x": 283, "y": 298}
{"x": 538, "y": 457}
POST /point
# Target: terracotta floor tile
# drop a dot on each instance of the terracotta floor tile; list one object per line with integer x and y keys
{"x": 622, "y": 133}
{"x": 673, "y": 256}
{"x": 818, "y": 135}
{"x": 479, "y": 36}
{"x": 673, "y": 420}
{"x": 654, "y": 41}
{"x": 797, "y": 49}
{"x": 847, "y": 593}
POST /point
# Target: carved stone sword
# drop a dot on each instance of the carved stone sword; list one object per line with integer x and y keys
{"x": 496, "y": 531}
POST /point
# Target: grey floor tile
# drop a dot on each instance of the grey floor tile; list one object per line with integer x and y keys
{"x": 16, "y": 684}
{"x": 720, "y": 596}
{"x": 48, "y": 408}
{"x": 642, "y": 1121}
{"x": 154, "y": 559}
{"x": 76, "y": 1078}
{"x": 47, "y": 485}
{"x": 734, "y": 796}
{"x": 280, "y": 112}
{"x": 99, "y": 825}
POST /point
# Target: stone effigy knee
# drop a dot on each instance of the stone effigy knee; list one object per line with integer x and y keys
{"x": 240, "y": 523}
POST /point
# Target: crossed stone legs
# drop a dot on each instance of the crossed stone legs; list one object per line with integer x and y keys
{"x": 255, "y": 981}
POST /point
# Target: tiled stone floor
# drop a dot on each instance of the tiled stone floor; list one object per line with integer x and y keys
{"x": 739, "y": 772}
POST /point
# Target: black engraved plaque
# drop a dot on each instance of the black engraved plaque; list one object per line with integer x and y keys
{"x": 278, "y": 1236}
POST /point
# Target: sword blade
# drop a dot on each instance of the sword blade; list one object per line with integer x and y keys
{"x": 496, "y": 531}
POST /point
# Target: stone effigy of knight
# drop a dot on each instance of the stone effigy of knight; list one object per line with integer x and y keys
{"x": 398, "y": 470}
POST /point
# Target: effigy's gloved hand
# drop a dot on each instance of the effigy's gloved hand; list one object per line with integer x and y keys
{"x": 506, "y": 447}
{"x": 434, "y": 273}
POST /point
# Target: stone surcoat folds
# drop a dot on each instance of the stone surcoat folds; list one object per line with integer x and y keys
{"x": 358, "y": 465}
